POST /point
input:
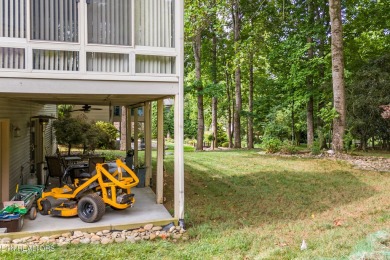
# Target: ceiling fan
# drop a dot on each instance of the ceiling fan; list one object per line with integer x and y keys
{"x": 86, "y": 108}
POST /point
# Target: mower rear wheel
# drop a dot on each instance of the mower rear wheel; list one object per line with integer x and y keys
{"x": 91, "y": 208}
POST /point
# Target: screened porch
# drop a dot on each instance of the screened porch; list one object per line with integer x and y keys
{"x": 87, "y": 38}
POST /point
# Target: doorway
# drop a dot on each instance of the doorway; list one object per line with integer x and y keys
{"x": 4, "y": 159}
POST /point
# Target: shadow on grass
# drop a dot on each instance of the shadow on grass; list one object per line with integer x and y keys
{"x": 265, "y": 196}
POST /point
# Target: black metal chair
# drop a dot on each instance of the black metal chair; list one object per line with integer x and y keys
{"x": 92, "y": 161}
{"x": 55, "y": 169}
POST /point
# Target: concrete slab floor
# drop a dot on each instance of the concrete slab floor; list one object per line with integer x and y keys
{"x": 144, "y": 210}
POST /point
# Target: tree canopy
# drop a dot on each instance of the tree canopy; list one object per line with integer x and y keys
{"x": 266, "y": 70}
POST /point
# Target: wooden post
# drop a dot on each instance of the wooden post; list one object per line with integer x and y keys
{"x": 136, "y": 136}
{"x": 160, "y": 152}
{"x": 128, "y": 129}
{"x": 148, "y": 143}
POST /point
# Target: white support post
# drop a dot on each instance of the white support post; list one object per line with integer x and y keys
{"x": 179, "y": 115}
{"x": 179, "y": 159}
{"x": 148, "y": 142}
{"x": 136, "y": 136}
{"x": 160, "y": 152}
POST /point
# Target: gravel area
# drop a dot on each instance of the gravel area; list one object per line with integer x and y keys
{"x": 148, "y": 232}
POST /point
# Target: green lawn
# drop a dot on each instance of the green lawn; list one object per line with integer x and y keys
{"x": 243, "y": 205}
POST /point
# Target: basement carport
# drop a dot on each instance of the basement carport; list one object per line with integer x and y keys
{"x": 149, "y": 208}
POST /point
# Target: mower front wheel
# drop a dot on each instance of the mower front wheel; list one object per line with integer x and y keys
{"x": 91, "y": 208}
{"x": 32, "y": 213}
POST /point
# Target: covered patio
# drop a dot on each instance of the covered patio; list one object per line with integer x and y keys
{"x": 148, "y": 207}
{"x": 145, "y": 211}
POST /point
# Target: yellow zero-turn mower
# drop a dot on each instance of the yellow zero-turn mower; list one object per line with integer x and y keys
{"x": 88, "y": 197}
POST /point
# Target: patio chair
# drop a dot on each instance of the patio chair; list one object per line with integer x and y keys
{"x": 92, "y": 161}
{"x": 55, "y": 169}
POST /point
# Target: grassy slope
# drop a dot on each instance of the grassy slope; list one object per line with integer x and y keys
{"x": 241, "y": 204}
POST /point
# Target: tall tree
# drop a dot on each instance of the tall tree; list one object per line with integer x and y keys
{"x": 197, "y": 43}
{"x": 310, "y": 102}
{"x": 337, "y": 74}
{"x": 237, "y": 16}
{"x": 214, "y": 100}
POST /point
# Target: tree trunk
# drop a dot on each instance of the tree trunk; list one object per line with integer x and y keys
{"x": 237, "y": 74}
{"x": 337, "y": 74}
{"x": 310, "y": 102}
{"x": 293, "y": 121}
{"x": 199, "y": 87}
{"x": 229, "y": 128}
{"x": 250, "y": 101}
{"x": 214, "y": 101}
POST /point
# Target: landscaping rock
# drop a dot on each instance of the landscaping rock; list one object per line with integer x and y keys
{"x": 78, "y": 234}
{"x": 158, "y": 228}
{"x": 148, "y": 226}
{"x": 172, "y": 229}
{"x": 119, "y": 240}
{"x": 99, "y": 233}
{"x": 106, "y": 231}
{"x": 152, "y": 236}
{"x": 75, "y": 241}
{"x": 66, "y": 234}
{"x": 95, "y": 238}
{"x": 106, "y": 240}
{"x": 85, "y": 240}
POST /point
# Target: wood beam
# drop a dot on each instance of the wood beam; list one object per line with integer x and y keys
{"x": 160, "y": 152}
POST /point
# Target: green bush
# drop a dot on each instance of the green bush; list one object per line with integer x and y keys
{"x": 271, "y": 145}
{"x": 316, "y": 148}
{"x": 225, "y": 144}
{"x": 288, "y": 147}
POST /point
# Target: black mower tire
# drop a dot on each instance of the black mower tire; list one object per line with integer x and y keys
{"x": 46, "y": 206}
{"x": 91, "y": 208}
{"x": 32, "y": 214}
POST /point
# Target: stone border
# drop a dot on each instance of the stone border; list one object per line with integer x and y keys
{"x": 147, "y": 232}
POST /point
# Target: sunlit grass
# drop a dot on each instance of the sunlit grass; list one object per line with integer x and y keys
{"x": 240, "y": 204}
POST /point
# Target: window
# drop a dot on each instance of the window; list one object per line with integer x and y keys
{"x": 107, "y": 62}
{"x": 155, "y": 23}
{"x": 55, "y": 60}
{"x": 109, "y": 22}
{"x": 155, "y": 64}
{"x": 12, "y": 58}
{"x": 54, "y": 20}
{"x": 13, "y": 18}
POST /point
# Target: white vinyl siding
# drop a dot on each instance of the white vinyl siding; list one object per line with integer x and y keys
{"x": 55, "y": 60}
{"x": 12, "y": 58}
{"x": 19, "y": 114}
{"x": 54, "y": 20}
{"x": 155, "y": 23}
{"x": 155, "y": 64}
{"x": 12, "y": 18}
{"x": 109, "y": 22}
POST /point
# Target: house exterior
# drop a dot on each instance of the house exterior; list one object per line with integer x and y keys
{"x": 97, "y": 52}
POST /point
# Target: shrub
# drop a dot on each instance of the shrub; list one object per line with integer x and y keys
{"x": 316, "y": 148}
{"x": 225, "y": 144}
{"x": 288, "y": 147}
{"x": 271, "y": 145}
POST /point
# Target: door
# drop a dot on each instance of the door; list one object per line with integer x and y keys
{"x": 4, "y": 159}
